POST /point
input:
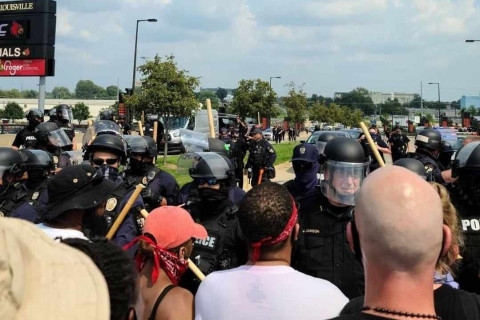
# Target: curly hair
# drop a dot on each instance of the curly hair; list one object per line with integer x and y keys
{"x": 447, "y": 263}
{"x": 117, "y": 269}
{"x": 264, "y": 212}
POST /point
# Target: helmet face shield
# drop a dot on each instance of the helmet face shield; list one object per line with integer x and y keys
{"x": 342, "y": 181}
{"x": 99, "y": 128}
{"x": 65, "y": 114}
{"x": 58, "y": 138}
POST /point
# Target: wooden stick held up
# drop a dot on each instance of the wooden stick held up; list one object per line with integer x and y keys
{"x": 372, "y": 144}
{"x": 210, "y": 118}
{"x": 140, "y": 128}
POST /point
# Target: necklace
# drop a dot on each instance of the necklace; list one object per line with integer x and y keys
{"x": 400, "y": 313}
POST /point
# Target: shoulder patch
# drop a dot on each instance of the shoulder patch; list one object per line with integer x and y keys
{"x": 144, "y": 180}
{"x": 35, "y": 195}
{"x": 429, "y": 168}
{"x": 111, "y": 204}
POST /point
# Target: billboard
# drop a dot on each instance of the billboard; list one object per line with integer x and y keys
{"x": 33, "y": 67}
{"x": 27, "y": 38}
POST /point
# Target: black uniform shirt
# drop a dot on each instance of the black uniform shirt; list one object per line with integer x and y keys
{"x": 25, "y": 138}
{"x": 261, "y": 155}
{"x": 322, "y": 249}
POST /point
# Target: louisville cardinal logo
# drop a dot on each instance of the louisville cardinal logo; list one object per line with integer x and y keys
{"x": 16, "y": 29}
{"x": 26, "y": 52}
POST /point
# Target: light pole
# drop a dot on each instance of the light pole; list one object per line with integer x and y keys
{"x": 135, "y": 55}
{"x": 438, "y": 88}
{"x": 271, "y": 81}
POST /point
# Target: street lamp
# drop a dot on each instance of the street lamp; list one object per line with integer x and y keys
{"x": 135, "y": 55}
{"x": 271, "y": 81}
{"x": 438, "y": 87}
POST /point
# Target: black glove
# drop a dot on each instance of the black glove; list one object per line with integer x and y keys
{"x": 270, "y": 172}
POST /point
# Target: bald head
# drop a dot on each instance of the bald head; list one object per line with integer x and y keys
{"x": 400, "y": 221}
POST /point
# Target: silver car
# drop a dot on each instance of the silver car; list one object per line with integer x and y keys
{"x": 268, "y": 134}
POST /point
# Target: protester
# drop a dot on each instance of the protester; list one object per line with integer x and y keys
{"x": 261, "y": 158}
{"x": 267, "y": 287}
{"x": 161, "y": 188}
{"x": 42, "y": 279}
{"x": 321, "y": 250}
{"x": 305, "y": 163}
{"x": 25, "y": 138}
{"x": 119, "y": 272}
{"x": 76, "y": 203}
{"x": 163, "y": 251}
{"x": 399, "y": 244}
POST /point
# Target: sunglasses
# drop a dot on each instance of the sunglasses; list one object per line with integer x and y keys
{"x": 99, "y": 161}
{"x": 210, "y": 182}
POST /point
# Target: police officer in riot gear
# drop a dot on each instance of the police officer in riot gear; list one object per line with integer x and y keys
{"x": 323, "y": 139}
{"x": 161, "y": 188}
{"x": 25, "y": 138}
{"x": 305, "y": 163}
{"x": 445, "y": 156}
{"x": 12, "y": 169}
{"x": 465, "y": 195}
{"x": 31, "y": 198}
{"x": 63, "y": 118}
{"x": 52, "y": 139}
{"x": 123, "y": 123}
{"x": 213, "y": 174}
{"x": 106, "y": 153}
{"x": 261, "y": 159}
{"x": 106, "y": 115}
{"x": 398, "y": 144}
{"x": 429, "y": 146}
{"x": 322, "y": 250}
{"x": 382, "y": 147}
{"x": 413, "y": 165}
{"x": 238, "y": 151}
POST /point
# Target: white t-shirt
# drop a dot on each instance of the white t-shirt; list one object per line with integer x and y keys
{"x": 55, "y": 233}
{"x": 266, "y": 292}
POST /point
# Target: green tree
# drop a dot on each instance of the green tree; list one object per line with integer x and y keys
{"x": 86, "y": 89}
{"x": 112, "y": 91}
{"x": 80, "y": 112}
{"x": 166, "y": 91}
{"x": 358, "y": 98}
{"x": 296, "y": 104}
{"x": 13, "y": 111}
{"x": 29, "y": 94}
{"x": 202, "y": 96}
{"x": 254, "y": 96}
{"x": 472, "y": 110}
{"x": 221, "y": 94}
{"x": 393, "y": 107}
{"x": 319, "y": 112}
{"x": 61, "y": 93}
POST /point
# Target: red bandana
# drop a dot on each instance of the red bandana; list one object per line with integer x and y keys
{"x": 173, "y": 266}
{"x": 257, "y": 246}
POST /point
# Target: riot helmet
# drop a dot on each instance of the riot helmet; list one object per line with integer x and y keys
{"x": 52, "y": 114}
{"x": 429, "y": 139}
{"x": 50, "y": 136}
{"x": 106, "y": 115}
{"x": 323, "y": 139}
{"x": 39, "y": 164}
{"x": 141, "y": 150}
{"x": 12, "y": 166}
{"x": 413, "y": 165}
{"x": 107, "y": 143}
{"x": 99, "y": 128}
{"x": 206, "y": 166}
{"x": 344, "y": 169}
{"x": 466, "y": 167}
{"x": 34, "y": 117}
{"x": 64, "y": 113}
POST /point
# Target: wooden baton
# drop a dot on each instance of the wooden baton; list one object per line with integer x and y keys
{"x": 124, "y": 212}
{"x": 211, "y": 125}
{"x": 140, "y": 128}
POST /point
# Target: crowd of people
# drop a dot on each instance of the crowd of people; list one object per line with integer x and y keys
{"x": 345, "y": 239}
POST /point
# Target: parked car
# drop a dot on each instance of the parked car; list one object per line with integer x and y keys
{"x": 268, "y": 134}
{"x": 314, "y": 136}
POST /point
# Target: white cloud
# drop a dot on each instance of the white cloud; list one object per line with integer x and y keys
{"x": 64, "y": 27}
{"x": 344, "y": 7}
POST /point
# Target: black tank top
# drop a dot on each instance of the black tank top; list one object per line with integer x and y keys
{"x": 159, "y": 299}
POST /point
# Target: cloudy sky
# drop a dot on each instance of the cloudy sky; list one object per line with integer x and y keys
{"x": 329, "y": 45}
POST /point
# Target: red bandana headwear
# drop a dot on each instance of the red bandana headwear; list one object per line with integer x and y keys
{"x": 257, "y": 246}
{"x": 170, "y": 263}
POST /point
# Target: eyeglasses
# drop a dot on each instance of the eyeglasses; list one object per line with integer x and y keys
{"x": 100, "y": 161}
{"x": 210, "y": 182}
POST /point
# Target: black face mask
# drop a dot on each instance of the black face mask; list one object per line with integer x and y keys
{"x": 214, "y": 200}
{"x": 139, "y": 167}
{"x": 109, "y": 173}
{"x": 35, "y": 178}
{"x": 33, "y": 123}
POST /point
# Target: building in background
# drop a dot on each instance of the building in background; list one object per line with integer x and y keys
{"x": 380, "y": 97}
{"x": 468, "y": 101}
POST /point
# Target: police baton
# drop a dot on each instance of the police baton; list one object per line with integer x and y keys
{"x": 372, "y": 144}
{"x": 260, "y": 176}
{"x": 140, "y": 128}
{"x": 124, "y": 212}
{"x": 196, "y": 271}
